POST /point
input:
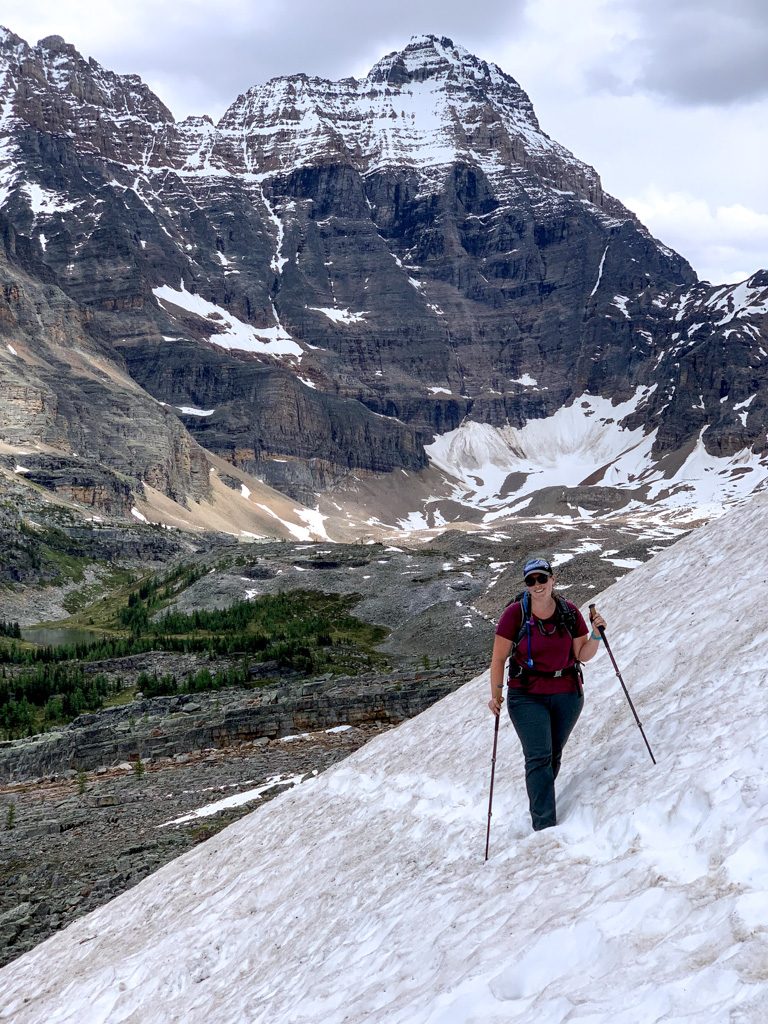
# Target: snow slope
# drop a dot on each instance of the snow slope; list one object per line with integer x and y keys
{"x": 494, "y": 467}
{"x": 362, "y": 896}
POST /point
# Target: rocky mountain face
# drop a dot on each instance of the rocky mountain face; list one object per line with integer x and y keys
{"x": 337, "y": 277}
{"x": 63, "y": 392}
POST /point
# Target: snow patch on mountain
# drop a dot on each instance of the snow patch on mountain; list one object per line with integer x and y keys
{"x": 743, "y": 299}
{"x": 236, "y": 799}
{"x": 340, "y": 316}
{"x": 315, "y": 521}
{"x": 599, "y": 272}
{"x": 190, "y": 410}
{"x": 273, "y": 341}
{"x": 735, "y": 302}
{"x": 8, "y": 169}
{"x": 563, "y": 449}
{"x": 43, "y": 201}
{"x": 585, "y": 442}
{"x": 707, "y": 482}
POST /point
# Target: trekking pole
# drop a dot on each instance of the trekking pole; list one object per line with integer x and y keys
{"x": 493, "y": 772}
{"x": 601, "y": 630}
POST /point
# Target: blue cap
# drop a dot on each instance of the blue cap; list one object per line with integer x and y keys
{"x": 537, "y": 565}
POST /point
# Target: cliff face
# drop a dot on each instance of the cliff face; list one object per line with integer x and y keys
{"x": 338, "y": 272}
{"x": 89, "y": 432}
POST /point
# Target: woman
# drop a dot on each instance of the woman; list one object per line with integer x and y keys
{"x": 545, "y": 637}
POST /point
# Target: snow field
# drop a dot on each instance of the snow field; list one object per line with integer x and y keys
{"x": 582, "y": 441}
{"x": 362, "y": 895}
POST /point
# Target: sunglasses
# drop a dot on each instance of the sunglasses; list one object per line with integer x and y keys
{"x": 536, "y": 578}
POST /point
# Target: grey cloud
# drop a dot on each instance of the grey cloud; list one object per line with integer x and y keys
{"x": 693, "y": 52}
{"x": 210, "y": 62}
{"x": 603, "y": 79}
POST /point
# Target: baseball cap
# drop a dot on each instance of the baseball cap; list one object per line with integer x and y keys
{"x": 537, "y": 565}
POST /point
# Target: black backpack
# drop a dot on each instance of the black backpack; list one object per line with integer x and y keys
{"x": 565, "y": 616}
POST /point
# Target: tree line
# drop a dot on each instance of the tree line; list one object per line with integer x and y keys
{"x": 298, "y": 633}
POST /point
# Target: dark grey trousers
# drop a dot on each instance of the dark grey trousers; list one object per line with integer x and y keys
{"x": 543, "y": 723}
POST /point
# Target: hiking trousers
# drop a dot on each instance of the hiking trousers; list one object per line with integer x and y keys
{"x": 543, "y": 723}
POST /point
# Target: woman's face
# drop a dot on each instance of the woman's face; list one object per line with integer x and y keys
{"x": 540, "y": 584}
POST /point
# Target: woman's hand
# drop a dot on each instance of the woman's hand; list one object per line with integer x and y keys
{"x": 495, "y": 704}
{"x": 597, "y": 621}
{"x": 586, "y": 647}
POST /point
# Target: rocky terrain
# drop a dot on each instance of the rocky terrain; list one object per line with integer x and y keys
{"x": 73, "y": 841}
{"x": 149, "y": 729}
{"x": 54, "y": 561}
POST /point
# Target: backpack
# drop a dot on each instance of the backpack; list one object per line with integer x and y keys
{"x": 565, "y": 616}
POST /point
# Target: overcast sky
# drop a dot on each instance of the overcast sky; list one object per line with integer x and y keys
{"x": 667, "y": 99}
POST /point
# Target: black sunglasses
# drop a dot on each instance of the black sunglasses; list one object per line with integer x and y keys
{"x": 535, "y": 578}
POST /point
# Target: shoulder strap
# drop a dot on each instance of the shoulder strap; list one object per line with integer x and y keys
{"x": 524, "y": 600}
{"x": 566, "y": 613}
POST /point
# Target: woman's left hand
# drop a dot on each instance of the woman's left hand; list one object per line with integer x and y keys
{"x": 597, "y": 622}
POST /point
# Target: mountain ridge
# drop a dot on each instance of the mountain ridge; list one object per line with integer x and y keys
{"x": 340, "y": 274}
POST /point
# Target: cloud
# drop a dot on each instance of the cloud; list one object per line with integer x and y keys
{"x": 692, "y": 52}
{"x": 711, "y": 237}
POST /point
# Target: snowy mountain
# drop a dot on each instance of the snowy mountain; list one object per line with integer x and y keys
{"x": 362, "y": 895}
{"x": 342, "y": 281}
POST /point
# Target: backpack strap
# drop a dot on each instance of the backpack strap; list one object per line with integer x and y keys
{"x": 526, "y": 621}
{"x": 566, "y": 614}
{"x": 521, "y": 673}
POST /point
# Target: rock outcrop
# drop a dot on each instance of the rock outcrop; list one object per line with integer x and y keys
{"x": 65, "y": 392}
{"x": 166, "y": 726}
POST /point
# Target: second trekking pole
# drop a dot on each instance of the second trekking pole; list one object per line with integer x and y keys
{"x": 601, "y": 630}
{"x": 493, "y": 772}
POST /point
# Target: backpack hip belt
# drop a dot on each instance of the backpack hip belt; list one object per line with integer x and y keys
{"x": 523, "y": 674}
{"x": 522, "y": 670}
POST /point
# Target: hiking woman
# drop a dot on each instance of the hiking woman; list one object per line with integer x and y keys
{"x": 544, "y": 636}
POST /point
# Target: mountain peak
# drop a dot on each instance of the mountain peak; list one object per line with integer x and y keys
{"x": 54, "y": 43}
{"x": 56, "y": 50}
{"x": 437, "y": 59}
{"x": 8, "y": 38}
{"x": 430, "y": 56}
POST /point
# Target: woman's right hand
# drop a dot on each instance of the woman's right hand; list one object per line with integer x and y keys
{"x": 495, "y": 705}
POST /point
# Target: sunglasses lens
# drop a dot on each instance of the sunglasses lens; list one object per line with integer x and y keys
{"x": 532, "y": 581}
